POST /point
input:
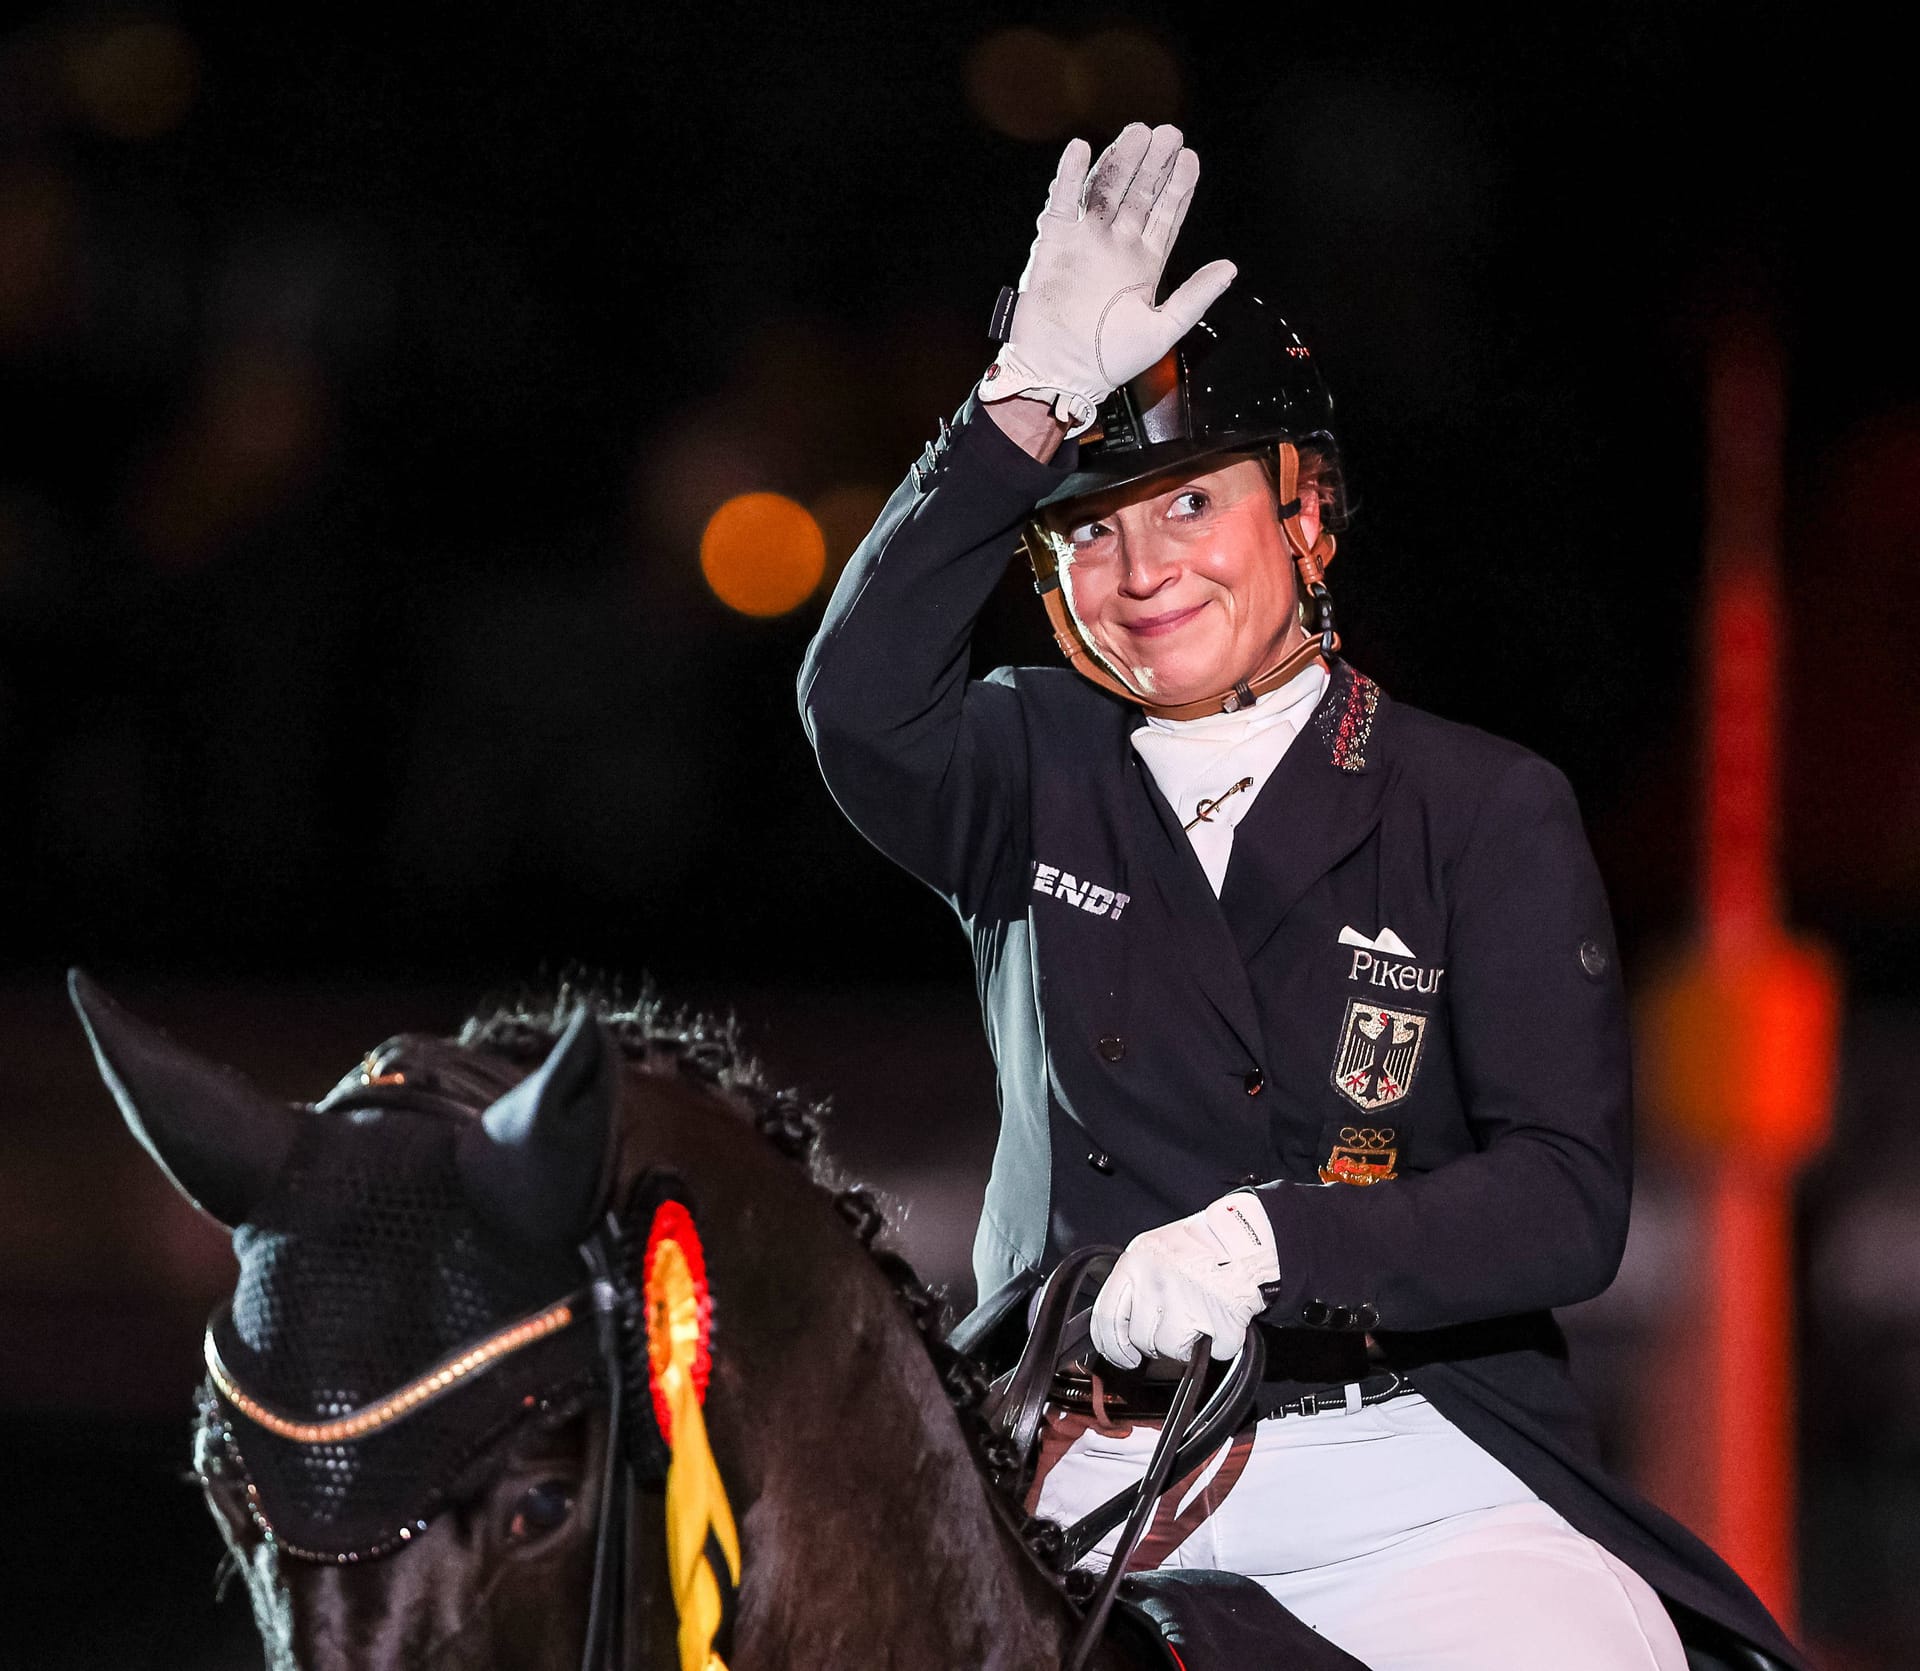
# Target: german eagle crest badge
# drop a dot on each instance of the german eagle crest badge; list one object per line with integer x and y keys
{"x": 1378, "y": 1054}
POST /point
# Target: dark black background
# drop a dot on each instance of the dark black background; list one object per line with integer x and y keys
{"x": 452, "y": 698}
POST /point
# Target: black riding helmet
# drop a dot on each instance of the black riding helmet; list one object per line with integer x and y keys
{"x": 1238, "y": 381}
{"x": 1241, "y": 381}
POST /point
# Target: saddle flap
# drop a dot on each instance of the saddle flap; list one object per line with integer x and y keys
{"x": 1220, "y": 1621}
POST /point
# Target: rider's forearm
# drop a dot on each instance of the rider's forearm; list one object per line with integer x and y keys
{"x": 928, "y": 764}
{"x": 1031, "y": 424}
{"x": 1526, "y": 1226}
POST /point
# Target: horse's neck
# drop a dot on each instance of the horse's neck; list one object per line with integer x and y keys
{"x": 871, "y": 1523}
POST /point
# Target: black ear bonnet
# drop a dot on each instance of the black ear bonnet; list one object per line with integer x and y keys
{"x": 365, "y": 1266}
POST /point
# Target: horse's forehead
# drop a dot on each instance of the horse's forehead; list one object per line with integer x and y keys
{"x": 368, "y": 1172}
{"x": 366, "y": 1263}
{"x": 423, "y": 1061}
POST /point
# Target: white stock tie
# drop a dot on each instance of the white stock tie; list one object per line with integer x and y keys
{"x": 1197, "y": 761}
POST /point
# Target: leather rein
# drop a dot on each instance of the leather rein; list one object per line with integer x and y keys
{"x": 602, "y": 1649}
{"x": 1016, "y": 1403}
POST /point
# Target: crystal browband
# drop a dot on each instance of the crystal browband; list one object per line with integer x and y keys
{"x": 449, "y": 1373}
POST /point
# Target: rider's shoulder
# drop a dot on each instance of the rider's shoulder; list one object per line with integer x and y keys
{"x": 1483, "y": 779}
{"x": 1429, "y": 742}
{"x": 1060, "y": 694}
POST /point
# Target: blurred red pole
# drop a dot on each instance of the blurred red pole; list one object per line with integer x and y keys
{"x": 1746, "y": 1206}
{"x": 1745, "y": 462}
{"x": 1737, "y": 1038}
{"x": 1754, "y": 1485}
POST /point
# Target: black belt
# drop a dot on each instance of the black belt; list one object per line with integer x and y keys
{"x": 1135, "y": 1396}
{"x": 1373, "y": 1389}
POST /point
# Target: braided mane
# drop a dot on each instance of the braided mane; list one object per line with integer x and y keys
{"x": 705, "y": 1050}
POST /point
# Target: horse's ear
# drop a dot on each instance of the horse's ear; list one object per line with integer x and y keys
{"x": 538, "y": 1161}
{"x": 219, "y": 1139}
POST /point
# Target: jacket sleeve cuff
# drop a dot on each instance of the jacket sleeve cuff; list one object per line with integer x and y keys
{"x": 1302, "y": 1297}
{"x": 998, "y": 458}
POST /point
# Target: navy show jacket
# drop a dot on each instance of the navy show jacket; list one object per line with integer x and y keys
{"x": 1157, "y": 1047}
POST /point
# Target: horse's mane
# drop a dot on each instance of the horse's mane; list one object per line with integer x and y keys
{"x": 707, "y": 1050}
{"x": 661, "y": 1039}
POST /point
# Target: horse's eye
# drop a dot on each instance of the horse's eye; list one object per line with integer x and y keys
{"x": 542, "y": 1508}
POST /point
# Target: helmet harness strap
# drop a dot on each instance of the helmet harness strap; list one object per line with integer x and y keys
{"x": 1310, "y": 559}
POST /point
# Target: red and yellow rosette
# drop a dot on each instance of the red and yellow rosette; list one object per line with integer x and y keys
{"x": 679, "y": 1313}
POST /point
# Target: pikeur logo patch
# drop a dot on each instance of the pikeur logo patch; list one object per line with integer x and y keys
{"x": 1378, "y": 1054}
{"x": 1376, "y": 962}
{"x": 1096, "y": 901}
{"x": 1383, "y": 971}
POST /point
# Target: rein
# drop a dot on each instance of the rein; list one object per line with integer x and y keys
{"x": 611, "y": 1535}
{"x": 1016, "y": 1403}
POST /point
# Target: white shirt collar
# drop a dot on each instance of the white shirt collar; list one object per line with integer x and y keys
{"x": 1197, "y": 761}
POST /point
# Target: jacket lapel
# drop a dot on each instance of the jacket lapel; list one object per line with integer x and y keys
{"x": 1198, "y": 927}
{"x": 1322, "y": 801}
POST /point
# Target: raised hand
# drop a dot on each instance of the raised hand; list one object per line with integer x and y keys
{"x": 1086, "y": 321}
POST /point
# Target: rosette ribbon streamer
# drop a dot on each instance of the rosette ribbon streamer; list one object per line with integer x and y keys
{"x": 700, "y": 1527}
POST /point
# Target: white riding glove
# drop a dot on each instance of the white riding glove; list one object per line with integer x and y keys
{"x": 1195, "y": 1276}
{"x": 1086, "y": 322}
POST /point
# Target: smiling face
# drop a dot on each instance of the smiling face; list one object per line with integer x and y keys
{"x": 1183, "y": 583}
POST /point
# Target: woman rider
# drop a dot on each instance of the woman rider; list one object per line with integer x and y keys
{"x": 1307, "y": 997}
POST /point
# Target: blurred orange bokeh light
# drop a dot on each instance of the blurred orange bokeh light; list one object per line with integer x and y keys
{"x": 762, "y": 554}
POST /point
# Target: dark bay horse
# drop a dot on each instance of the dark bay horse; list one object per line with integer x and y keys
{"x": 407, "y": 1415}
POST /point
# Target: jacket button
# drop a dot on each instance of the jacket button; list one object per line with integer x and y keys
{"x": 1255, "y": 1082}
{"x": 1113, "y": 1048}
{"x": 1366, "y": 1316}
{"x": 1340, "y": 1318}
{"x": 1314, "y": 1314}
{"x": 1593, "y": 958}
{"x": 1100, "y": 1161}
{"x": 1247, "y": 1180}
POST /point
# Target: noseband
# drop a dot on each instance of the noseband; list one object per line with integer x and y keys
{"x": 454, "y": 1371}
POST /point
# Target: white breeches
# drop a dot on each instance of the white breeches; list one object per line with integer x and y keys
{"x": 1388, "y": 1531}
